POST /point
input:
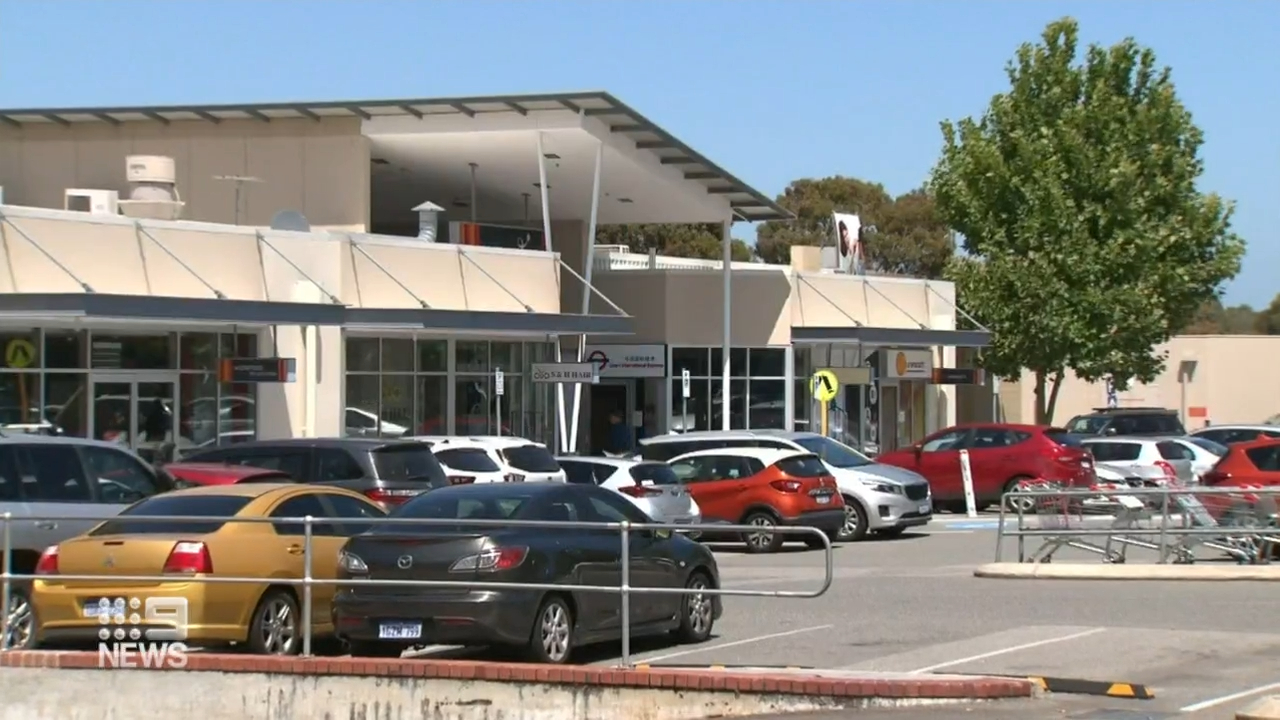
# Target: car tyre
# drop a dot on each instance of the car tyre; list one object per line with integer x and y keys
{"x": 762, "y": 540}
{"x": 22, "y": 620}
{"x": 1026, "y": 505}
{"x": 276, "y": 626}
{"x": 374, "y": 649}
{"x": 697, "y": 611}
{"x": 855, "y": 522}
{"x": 551, "y": 639}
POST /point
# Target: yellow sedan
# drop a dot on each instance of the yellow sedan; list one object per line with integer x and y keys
{"x": 176, "y": 606}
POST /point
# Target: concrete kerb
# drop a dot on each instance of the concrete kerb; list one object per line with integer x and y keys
{"x": 1104, "y": 571}
{"x": 71, "y": 685}
{"x": 1267, "y": 708}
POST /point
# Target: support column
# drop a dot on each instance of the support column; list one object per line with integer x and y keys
{"x": 589, "y": 264}
{"x": 788, "y": 392}
{"x": 544, "y": 195}
{"x": 725, "y": 399}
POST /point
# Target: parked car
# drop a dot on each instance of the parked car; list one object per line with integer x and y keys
{"x": 1128, "y": 421}
{"x": 1206, "y": 453}
{"x": 465, "y": 461}
{"x": 1173, "y": 460}
{"x": 651, "y": 486}
{"x": 764, "y": 488}
{"x": 378, "y": 621}
{"x": 264, "y": 616}
{"x": 1002, "y": 458}
{"x": 186, "y": 475}
{"x": 388, "y": 472}
{"x": 519, "y": 460}
{"x": 878, "y": 498}
{"x": 45, "y": 477}
{"x": 1255, "y": 463}
{"x": 1232, "y": 434}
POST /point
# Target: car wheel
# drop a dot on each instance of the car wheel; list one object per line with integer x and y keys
{"x": 552, "y": 638}
{"x": 697, "y": 611}
{"x": 1024, "y": 505}
{"x": 374, "y": 649}
{"x": 21, "y": 633}
{"x": 762, "y": 540}
{"x": 275, "y": 628}
{"x": 855, "y": 521}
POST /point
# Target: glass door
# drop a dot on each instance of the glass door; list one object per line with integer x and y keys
{"x": 136, "y": 412}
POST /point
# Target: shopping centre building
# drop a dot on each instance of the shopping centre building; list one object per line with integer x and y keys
{"x": 398, "y": 267}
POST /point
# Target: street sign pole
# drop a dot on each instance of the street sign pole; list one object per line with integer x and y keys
{"x": 685, "y": 387}
{"x": 823, "y": 410}
{"x": 499, "y": 387}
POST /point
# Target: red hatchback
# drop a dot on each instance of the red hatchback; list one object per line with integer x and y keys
{"x": 187, "y": 475}
{"x": 1000, "y": 457}
{"x": 1247, "y": 465}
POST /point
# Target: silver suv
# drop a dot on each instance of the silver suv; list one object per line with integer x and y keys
{"x": 43, "y": 477}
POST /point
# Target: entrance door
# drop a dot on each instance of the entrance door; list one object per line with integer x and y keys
{"x": 608, "y": 398}
{"x": 138, "y": 412}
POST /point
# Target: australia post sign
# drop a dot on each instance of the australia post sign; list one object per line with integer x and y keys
{"x": 629, "y": 361}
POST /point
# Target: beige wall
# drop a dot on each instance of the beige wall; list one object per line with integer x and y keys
{"x": 318, "y": 168}
{"x": 1236, "y": 378}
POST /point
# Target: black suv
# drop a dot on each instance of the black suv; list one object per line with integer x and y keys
{"x": 389, "y": 472}
{"x": 1128, "y": 421}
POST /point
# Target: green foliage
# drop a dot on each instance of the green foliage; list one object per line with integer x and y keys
{"x": 1267, "y": 322}
{"x": 691, "y": 241}
{"x": 910, "y": 238}
{"x": 1087, "y": 240}
{"x": 1214, "y": 319}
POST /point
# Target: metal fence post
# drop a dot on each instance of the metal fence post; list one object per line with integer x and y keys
{"x": 306, "y": 585}
{"x": 624, "y": 532}
{"x": 1004, "y": 504}
{"x": 1164, "y": 525}
{"x": 6, "y": 593}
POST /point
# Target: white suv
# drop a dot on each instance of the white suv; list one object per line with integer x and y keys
{"x": 878, "y": 498}
{"x": 517, "y": 459}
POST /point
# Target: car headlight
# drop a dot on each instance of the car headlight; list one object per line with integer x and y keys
{"x": 881, "y": 486}
{"x": 351, "y": 563}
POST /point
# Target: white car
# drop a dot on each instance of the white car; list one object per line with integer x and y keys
{"x": 1123, "y": 454}
{"x": 465, "y": 461}
{"x": 518, "y": 459}
{"x": 1206, "y": 453}
{"x": 878, "y": 498}
{"x": 650, "y": 486}
{"x": 1232, "y": 434}
{"x": 362, "y": 423}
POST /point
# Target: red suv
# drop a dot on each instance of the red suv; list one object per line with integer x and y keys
{"x": 1248, "y": 464}
{"x": 1000, "y": 457}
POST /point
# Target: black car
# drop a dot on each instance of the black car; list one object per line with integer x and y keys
{"x": 389, "y": 472}
{"x": 380, "y": 620}
{"x": 1130, "y": 421}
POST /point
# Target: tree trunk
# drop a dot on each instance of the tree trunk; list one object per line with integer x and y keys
{"x": 1046, "y": 393}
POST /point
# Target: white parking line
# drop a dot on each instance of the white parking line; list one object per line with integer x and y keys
{"x": 735, "y": 643}
{"x": 1223, "y": 699}
{"x": 1004, "y": 651}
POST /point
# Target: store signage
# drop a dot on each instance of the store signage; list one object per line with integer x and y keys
{"x": 258, "y": 370}
{"x": 629, "y": 361}
{"x": 958, "y": 376}
{"x": 906, "y": 364}
{"x": 565, "y": 373}
{"x": 498, "y": 236}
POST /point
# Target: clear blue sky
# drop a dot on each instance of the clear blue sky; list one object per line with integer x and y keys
{"x": 771, "y": 90}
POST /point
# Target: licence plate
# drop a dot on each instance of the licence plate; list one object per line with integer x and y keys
{"x": 823, "y": 499}
{"x": 399, "y": 631}
{"x": 97, "y": 608}
{"x": 924, "y": 509}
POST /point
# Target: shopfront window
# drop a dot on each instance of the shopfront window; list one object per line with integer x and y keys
{"x": 757, "y": 389}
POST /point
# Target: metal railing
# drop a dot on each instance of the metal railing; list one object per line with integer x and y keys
{"x": 308, "y": 581}
{"x": 1171, "y": 521}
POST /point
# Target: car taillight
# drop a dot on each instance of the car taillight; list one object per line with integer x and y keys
{"x": 188, "y": 558}
{"x": 513, "y": 477}
{"x": 787, "y": 485}
{"x": 391, "y": 497}
{"x": 639, "y": 491}
{"x": 1167, "y": 469}
{"x": 48, "y": 562}
{"x": 461, "y": 480}
{"x": 495, "y": 560}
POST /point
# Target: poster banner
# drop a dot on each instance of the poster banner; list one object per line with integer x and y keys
{"x": 848, "y": 241}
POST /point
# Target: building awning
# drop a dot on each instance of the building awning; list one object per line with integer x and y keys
{"x": 487, "y": 323}
{"x": 899, "y": 337}
{"x": 160, "y": 309}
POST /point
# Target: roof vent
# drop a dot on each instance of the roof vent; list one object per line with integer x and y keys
{"x": 153, "y": 190}
{"x": 428, "y": 220}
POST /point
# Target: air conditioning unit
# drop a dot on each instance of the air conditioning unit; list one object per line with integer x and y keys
{"x": 153, "y": 190}
{"x": 151, "y": 169}
{"x": 96, "y": 202}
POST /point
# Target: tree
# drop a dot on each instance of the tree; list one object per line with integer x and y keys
{"x": 910, "y": 237}
{"x": 1087, "y": 241}
{"x": 691, "y": 241}
{"x": 1267, "y": 322}
{"x": 1212, "y": 318}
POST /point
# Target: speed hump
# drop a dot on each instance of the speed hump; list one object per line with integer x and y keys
{"x": 824, "y": 386}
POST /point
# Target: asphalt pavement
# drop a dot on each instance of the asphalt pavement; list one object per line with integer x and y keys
{"x": 912, "y": 605}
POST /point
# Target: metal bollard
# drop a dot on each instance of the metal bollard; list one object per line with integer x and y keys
{"x": 6, "y": 593}
{"x": 1164, "y": 525}
{"x": 306, "y": 585}
{"x": 624, "y": 532}
{"x": 1004, "y": 504}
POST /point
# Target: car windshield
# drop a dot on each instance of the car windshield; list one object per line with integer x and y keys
{"x": 1087, "y": 424}
{"x": 175, "y": 505}
{"x": 1114, "y": 451}
{"x": 1206, "y": 444}
{"x": 1064, "y": 438}
{"x": 834, "y": 453}
{"x": 531, "y": 458}
{"x": 456, "y": 506}
{"x": 411, "y": 461}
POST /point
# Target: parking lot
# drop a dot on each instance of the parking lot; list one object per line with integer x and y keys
{"x": 913, "y": 605}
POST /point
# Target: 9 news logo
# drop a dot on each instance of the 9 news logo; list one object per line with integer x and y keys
{"x": 138, "y": 633}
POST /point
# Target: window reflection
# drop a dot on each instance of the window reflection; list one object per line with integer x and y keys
{"x": 432, "y": 396}
{"x": 473, "y": 356}
{"x": 198, "y": 415}
{"x": 433, "y": 355}
{"x": 66, "y": 397}
{"x": 131, "y": 352}
{"x": 20, "y": 400}
{"x": 473, "y": 413}
{"x": 397, "y": 355}
{"x": 362, "y": 354}
{"x": 768, "y": 405}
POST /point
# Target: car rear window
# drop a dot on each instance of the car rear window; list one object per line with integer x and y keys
{"x": 177, "y": 505}
{"x": 1114, "y": 451}
{"x": 411, "y": 461}
{"x": 531, "y": 458}
{"x": 1266, "y": 458}
{"x": 448, "y": 506}
{"x": 1064, "y": 438}
{"x": 654, "y": 474}
{"x": 803, "y": 466}
{"x": 468, "y": 459}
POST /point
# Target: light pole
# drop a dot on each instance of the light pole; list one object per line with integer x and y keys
{"x": 239, "y": 181}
